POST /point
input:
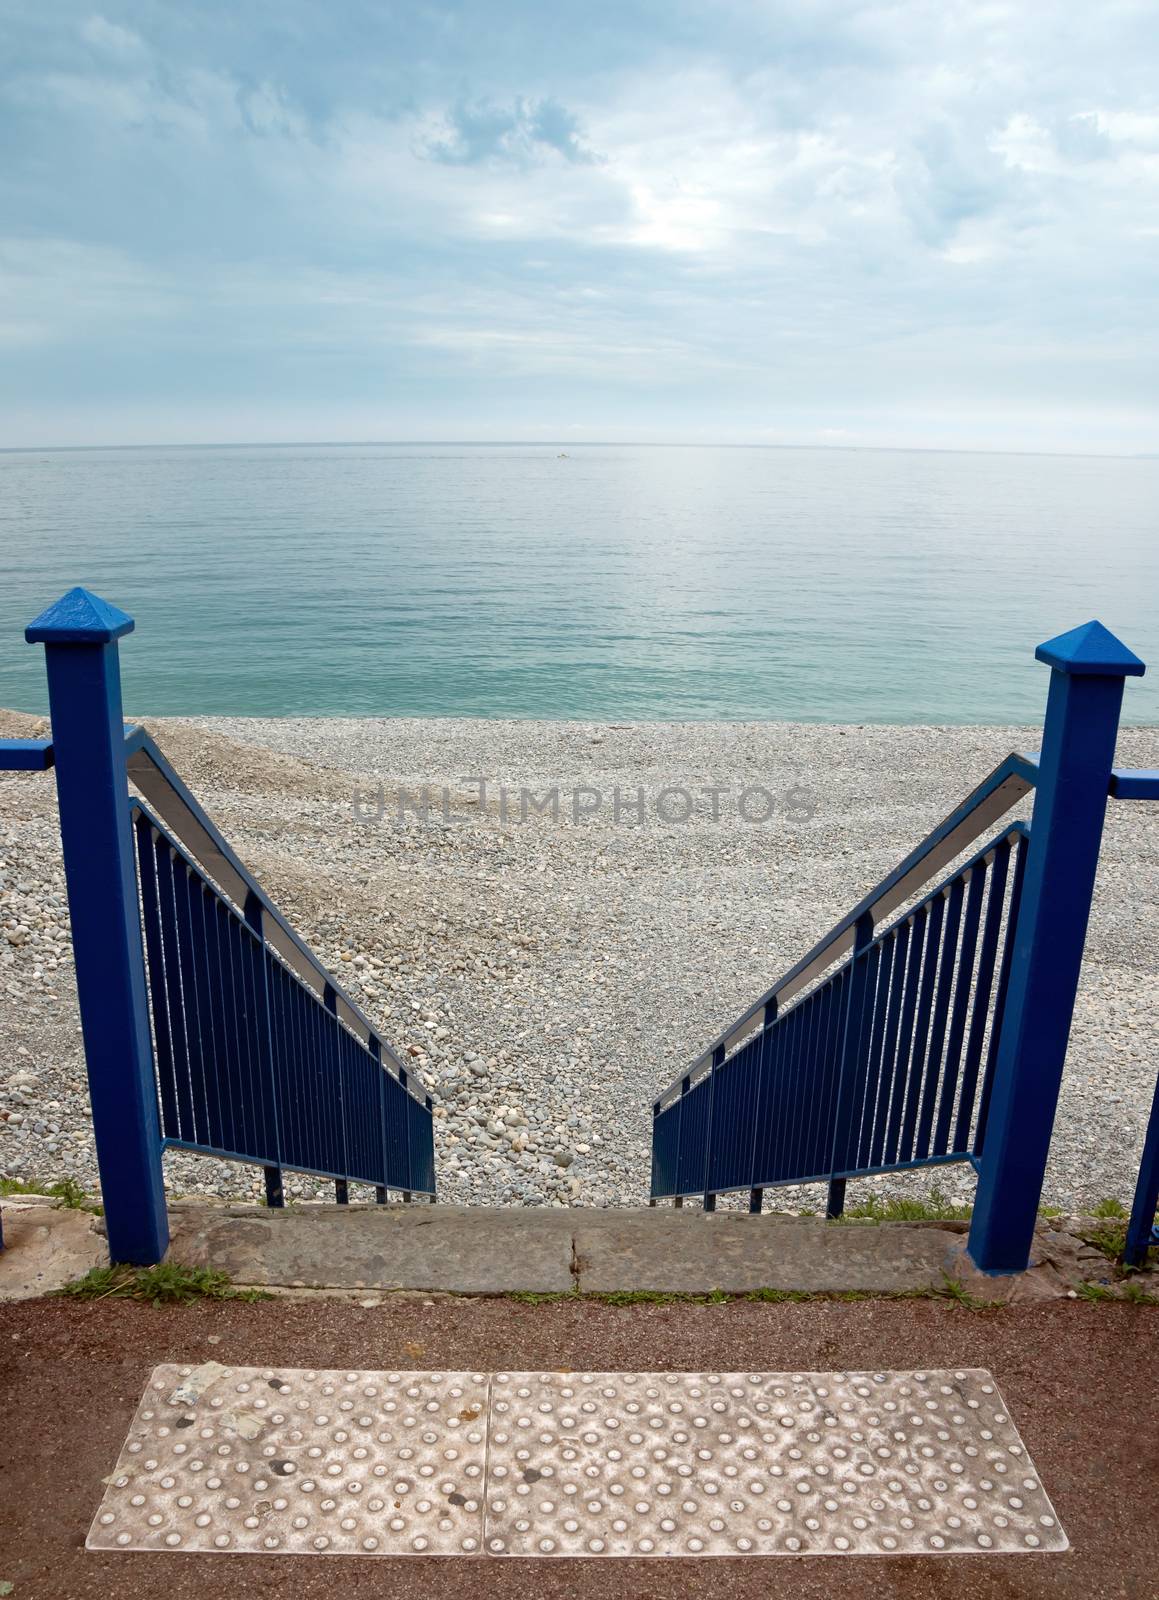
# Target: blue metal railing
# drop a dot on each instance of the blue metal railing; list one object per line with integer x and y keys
{"x": 944, "y": 1037}
{"x": 1011, "y": 781}
{"x": 883, "y": 1065}
{"x": 208, "y": 1023}
{"x": 252, "y": 1064}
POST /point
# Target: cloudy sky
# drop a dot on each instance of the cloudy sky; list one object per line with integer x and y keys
{"x": 795, "y": 221}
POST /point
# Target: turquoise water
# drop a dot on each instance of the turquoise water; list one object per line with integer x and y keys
{"x": 617, "y": 583}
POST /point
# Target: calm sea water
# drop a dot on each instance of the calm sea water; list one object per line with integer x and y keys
{"x": 617, "y": 583}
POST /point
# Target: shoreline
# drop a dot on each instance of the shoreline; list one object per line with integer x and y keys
{"x": 554, "y": 974}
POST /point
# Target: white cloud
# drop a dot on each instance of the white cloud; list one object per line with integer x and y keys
{"x": 111, "y": 39}
{"x": 749, "y": 200}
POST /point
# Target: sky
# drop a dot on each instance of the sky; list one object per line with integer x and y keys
{"x": 919, "y": 223}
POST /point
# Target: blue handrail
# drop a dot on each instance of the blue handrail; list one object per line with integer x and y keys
{"x": 870, "y": 1069}
{"x": 208, "y": 1022}
{"x": 1011, "y": 780}
{"x": 884, "y": 1065}
{"x": 173, "y": 803}
{"x": 252, "y": 1063}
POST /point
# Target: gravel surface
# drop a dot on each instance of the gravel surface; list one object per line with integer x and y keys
{"x": 75, "y": 1372}
{"x": 548, "y": 976}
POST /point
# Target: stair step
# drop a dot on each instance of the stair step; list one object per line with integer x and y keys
{"x": 500, "y": 1250}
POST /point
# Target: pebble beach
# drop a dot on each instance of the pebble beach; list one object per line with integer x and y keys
{"x": 549, "y": 965}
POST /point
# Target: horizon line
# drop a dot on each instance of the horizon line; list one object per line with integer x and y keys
{"x": 581, "y": 444}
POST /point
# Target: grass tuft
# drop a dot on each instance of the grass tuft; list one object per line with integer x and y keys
{"x": 1096, "y": 1292}
{"x": 66, "y": 1192}
{"x": 165, "y": 1284}
{"x": 1110, "y": 1238}
{"x": 619, "y": 1297}
{"x": 657, "y": 1297}
{"x": 550, "y": 1297}
{"x": 1129, "y": 1289}
{"x": 951, "y": 1289}
{"x": 901, "y": 1208}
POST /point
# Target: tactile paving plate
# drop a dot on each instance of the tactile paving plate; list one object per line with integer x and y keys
{"x": 714, "y": 1464}
{"x": 287, "y": 1461}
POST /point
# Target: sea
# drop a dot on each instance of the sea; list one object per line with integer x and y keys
{"x": 598, "y": 582}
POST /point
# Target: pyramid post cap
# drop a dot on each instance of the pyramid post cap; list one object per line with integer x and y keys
{"x": 1091, "y": 651}
{"x": 79, "y": 617}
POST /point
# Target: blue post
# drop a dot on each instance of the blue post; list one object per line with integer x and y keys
{"x": 80, "y": 634}
{"x": 1078, "y": 745}
{"x": 1141, "y": 1228}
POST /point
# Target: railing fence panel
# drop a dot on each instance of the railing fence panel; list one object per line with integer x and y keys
{"x": 877, "y": 1067}
{"x": 251, "y": 1064}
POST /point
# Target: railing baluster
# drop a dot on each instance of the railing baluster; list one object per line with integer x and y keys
{"x": 380, "y": 1193}
{"x": 404, "y": 1079}
{"x": 289, "y": 1142}
{"x": 948, "y": 950}
{"x": 879, "y": 992}
{"x": 267, "y": 1055}
{"x": 158, "y": 991}
{"x": 899, "y": 942}
{"x": 248, "y": 951}
{"x": 864, "y": 1057}
{"x": 814, "y": 1085}
{"x": 170, "y": 927}
{"x": 764, "y": 1076}
{"x": 199, "y": 1041}
{"x": 678, "y": 1199}
{"x": 962, "y": 993}
{"x": 849, "y": 1063}
{"x": 709, "y": 1196}
{"x": 226, "y": 1011}
{"x": 209, "y": 980}
{"x": 930, "y": 945}
{"x": 1008, "y": 948}
{"x": 301, "y": 1078}
{"x": 791, "y": 1108}
{"x": 794, "y": 1105}
{"x": 824, "y": 1074}
{"x": 912, "y": 982}
{"x": 983, "y": 987}
{"x": 330, "y": 1066}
